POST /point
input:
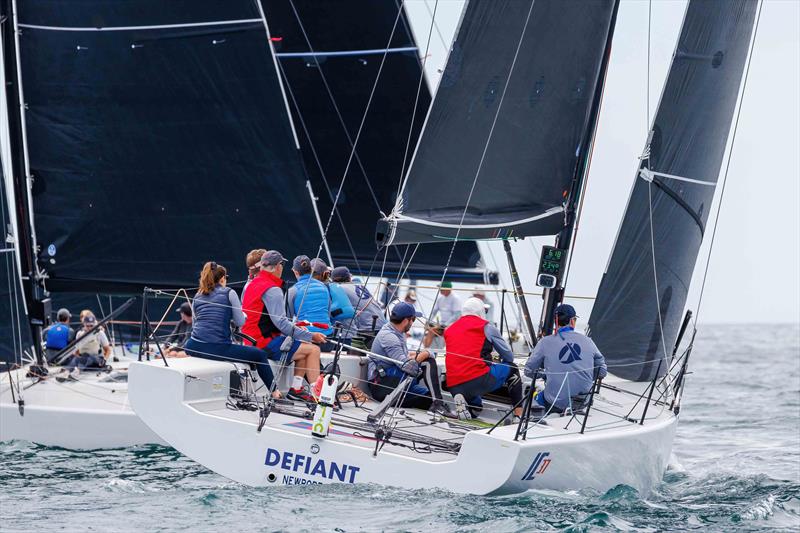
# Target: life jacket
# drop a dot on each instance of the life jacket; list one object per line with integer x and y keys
{"x": 258, "y": 323}
{"x": 312, "y": 303}
{"x": 212, "y": 315}
{"x": 468, "y": 351}
{"x": 57, "y": 336}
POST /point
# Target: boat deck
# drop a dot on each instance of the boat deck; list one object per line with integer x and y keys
{"x": 416, "y": 433}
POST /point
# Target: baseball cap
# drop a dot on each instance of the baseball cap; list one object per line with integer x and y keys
{"x": 185, "y": 308}
{"x": 318, "y": 266}
{"x": 89, "y": 320}
{"x": 446, "y": 285}
{"x": 63, "y": 314}
{"x": 302, "y": 264}
{"x": 473, "y": 306}
{"x": 566, "y": 310}
{"x": 272, "y": 258}
{"x": 411, "y": 295}
{"x": 340, "y": 274}
{"x": 404, "y": 310}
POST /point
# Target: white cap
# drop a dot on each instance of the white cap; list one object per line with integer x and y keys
{"x": 473, "y": 306}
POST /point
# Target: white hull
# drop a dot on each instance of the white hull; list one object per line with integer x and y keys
{"x": 88, "y": 414}
{"x": 185, "y": 405}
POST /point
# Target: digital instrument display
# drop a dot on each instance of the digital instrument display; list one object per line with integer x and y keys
{"x": 551, "y": 267}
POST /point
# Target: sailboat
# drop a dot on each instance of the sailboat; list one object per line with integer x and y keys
{"x": 503, "y": 154}
{"x": 141, "y": 140}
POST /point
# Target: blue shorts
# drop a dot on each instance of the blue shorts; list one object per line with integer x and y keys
{"x": 500, "y": 373}
{"x": 273, "y": 349}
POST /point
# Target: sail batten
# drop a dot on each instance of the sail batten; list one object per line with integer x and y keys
{"x": 637, "y": 313}
{"x": 513, "y": 128}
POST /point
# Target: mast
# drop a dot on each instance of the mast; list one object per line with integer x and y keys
{"x": 565, "y": 238}
{"x": 20, "y": 178}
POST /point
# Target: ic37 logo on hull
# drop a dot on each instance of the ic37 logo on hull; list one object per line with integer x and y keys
{"x": 538, "y": 466}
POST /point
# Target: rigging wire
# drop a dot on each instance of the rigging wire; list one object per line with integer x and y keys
{"x": 353, "y": 144}
{"x": 416, "y": 98}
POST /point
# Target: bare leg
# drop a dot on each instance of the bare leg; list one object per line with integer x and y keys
{"x": 306, "y": 361}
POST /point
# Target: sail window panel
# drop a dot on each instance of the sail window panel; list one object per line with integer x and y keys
{"x": 533, "y": 146}
{"x": 129, "y": 13}
{"x": 154, "y": 151}
{"x": 689, "y": 136}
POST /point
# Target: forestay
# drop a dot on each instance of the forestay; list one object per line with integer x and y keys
{"x": 331, "y": 54}
{"x": 510, "y": 113}
{"x": 646, "y": 282}
{"x": 158, "y": 139}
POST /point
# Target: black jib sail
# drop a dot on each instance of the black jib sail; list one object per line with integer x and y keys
{"x": 331, "y": 54}
{"x": 158, "y": 139}
{"x": 637, "y": 313}
{"x": 503, "y": 138}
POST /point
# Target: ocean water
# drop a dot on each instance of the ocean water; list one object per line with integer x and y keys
{"x": 736, "y": 467}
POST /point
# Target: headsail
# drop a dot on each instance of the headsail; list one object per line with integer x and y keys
{"x": 647, "y": 279}
{"x": 509, "y": 116}
{"x": 158, "y": 139}
{"x": 343, "y": 45}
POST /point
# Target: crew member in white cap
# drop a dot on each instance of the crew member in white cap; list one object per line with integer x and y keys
{"x": 471, "y": 372}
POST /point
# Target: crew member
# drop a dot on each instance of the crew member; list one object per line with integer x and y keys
{"x": 215, "y": 307}
{"x": 385, "y": 376}
{"x": 93, "y": 348}
{"x": 571, "y": 361}
{"x": 342, "y": 311}
{"x": 253, "y": 262}
{"x": 470, "y": 370}
{"x": 368, "y": 314}
{"x": 183, "y": 330}
{"x": 309, "y": 299}
{"x": 448, "y": 305}
{"x": 58, "y": 335}
{"x": 269, "y": 326}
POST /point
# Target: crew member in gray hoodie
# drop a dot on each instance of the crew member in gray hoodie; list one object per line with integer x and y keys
{"x": 570, "y": 360}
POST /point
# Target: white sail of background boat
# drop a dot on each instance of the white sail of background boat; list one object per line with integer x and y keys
{"x": 504, "y": 154}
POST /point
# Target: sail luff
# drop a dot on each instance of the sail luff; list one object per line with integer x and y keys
{"x": 643, "y": 292}
{"x": 565, "y": 239}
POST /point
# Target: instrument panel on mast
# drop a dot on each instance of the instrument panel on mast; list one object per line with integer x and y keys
{"x": 551, "y": 267}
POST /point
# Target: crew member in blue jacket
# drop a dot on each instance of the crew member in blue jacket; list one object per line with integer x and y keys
{"x": 309, "y": 299}
{"x": 58, "y": 335}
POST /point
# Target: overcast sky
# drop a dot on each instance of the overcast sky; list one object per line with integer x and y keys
{"x": 755, "y": 267}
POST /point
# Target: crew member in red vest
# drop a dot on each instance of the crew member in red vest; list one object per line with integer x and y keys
{"x": 268, "y": 324}
{"x": 470, "y": 370}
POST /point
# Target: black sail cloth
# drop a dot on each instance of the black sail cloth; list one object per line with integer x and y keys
{"x": 534, "y": 144}
{"x": 347, "y": 42}
{"x": 157, "y": 142}
{"x": 675, "y": 186}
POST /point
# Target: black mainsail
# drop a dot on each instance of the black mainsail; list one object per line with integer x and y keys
{"x": 506, "y": 133}
{"x": 331, "y": 54}
{"x": 158, "y": 138}
{"x": 637, "y": 313}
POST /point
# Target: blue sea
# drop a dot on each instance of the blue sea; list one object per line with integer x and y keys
{"x": 736, "y": 467}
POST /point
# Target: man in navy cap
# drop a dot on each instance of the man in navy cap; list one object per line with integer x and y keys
{"x": 384, "y": 376}
{"x": 571, "y": 361}
{"x": 368, "y": 316}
